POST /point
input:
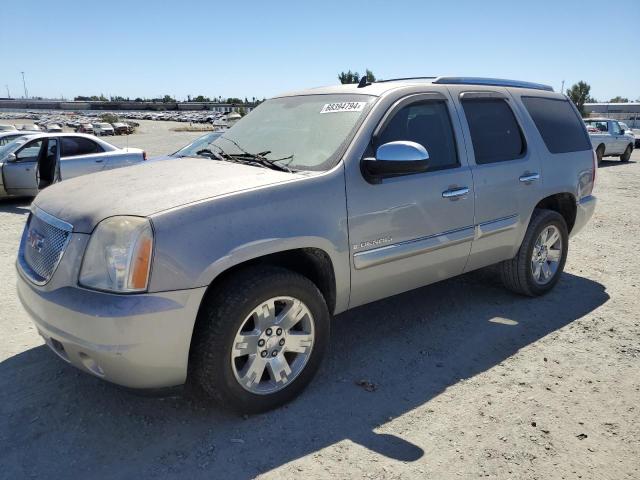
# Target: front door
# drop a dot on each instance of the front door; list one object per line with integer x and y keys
{"x": 412, "y": 230}
{"x": 20, "y": 174}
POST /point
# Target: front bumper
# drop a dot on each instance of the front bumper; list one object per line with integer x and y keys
{"x": 584, "y": 211}
{"x": 137, "y": 341}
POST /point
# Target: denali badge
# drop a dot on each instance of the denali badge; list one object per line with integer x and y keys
{"x": 372, "y": 243}
{"x": 35, "y": 240}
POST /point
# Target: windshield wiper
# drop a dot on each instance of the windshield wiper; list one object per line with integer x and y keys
{"x": 259, "y": 158}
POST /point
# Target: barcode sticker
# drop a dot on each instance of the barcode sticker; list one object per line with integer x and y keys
{"x": 343, "y": 107}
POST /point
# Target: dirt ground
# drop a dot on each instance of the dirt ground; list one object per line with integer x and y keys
{"x": 465, "y": 381}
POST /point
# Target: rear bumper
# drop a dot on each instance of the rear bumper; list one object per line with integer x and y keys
{"x": 585, "y": 208}
{"x": 137, "y": 341}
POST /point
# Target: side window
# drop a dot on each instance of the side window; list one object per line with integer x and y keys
{"x": 428, "y": 124}
{"x": 495, "y": 133}
{"x": 7, "y": 139}
{"x": 74, "y": 146}
{"x": 615, "y": 128}
{"x": 558, "y": 123}
{"x": 30, "y": 152}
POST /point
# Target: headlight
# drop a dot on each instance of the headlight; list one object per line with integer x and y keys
{"x": 118, "y": 257}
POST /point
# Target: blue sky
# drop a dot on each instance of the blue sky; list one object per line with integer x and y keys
{"x": 241, "y": 48}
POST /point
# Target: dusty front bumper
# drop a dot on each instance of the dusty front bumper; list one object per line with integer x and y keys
{"x": 138, "y": 341}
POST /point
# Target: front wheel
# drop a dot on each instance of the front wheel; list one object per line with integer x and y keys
{"x": 600, "y": 153}
{"x": 627, "y": 154}
{"x": 259, "y": 339}
{"x": 540, "y": 260}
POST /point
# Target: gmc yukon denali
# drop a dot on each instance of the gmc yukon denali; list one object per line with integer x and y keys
{"x": 223, "y": 270}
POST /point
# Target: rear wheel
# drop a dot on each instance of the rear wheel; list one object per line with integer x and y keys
{"x": 259, "y": 339}
{"x": 600, "y": 153}
{"x": 540, "y": 260}
{"x": 627, "y": 154}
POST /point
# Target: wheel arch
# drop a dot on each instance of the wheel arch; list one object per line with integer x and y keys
{"x": 564, "y": 203}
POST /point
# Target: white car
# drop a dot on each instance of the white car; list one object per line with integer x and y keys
{"x": 609, "y": 138}
{"x": 53, "y": 128}
{"x": 30, "y": 127}
{"x": 100, "y": 129}
{"x": 7, "y": 128}
{"x": 629, "y": 132}
{"x": 34, "y": 161}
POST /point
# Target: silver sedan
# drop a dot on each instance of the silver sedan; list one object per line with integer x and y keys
{"x": 32, "y": 162}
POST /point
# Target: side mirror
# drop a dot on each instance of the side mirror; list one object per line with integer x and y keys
{"x": 394, "y": 159}
{"x": 622, "y": 130}
{"x": 11, "y": 157}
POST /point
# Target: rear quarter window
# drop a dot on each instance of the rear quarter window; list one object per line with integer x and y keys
{"x": 561, "y": 128}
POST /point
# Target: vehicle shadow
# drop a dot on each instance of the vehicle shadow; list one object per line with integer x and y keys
{"x": 15, "y": 205}
{"x": 613, "y": 163}
{"x": 410, "y": 348}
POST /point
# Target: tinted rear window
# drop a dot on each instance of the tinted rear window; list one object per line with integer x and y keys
{"x": 561, "y": 128}
{"x": 495, "y": 133}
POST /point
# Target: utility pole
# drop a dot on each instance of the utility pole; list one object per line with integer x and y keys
{"x": 24, "y": 84}
{"x": 562, "y": 87}
{"x": 8, "y": 92}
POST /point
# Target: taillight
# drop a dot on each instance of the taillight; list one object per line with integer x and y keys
{"x": 144, "y": 155}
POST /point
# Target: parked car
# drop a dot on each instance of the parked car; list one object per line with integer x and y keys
{"x": 8, "y": 137}
{"x": 101, "y": 128}
{"x": 609, "y": 139}
{"x": 200, "y": 144}
{"x": 224, "y": 270}
{"x": 53, "y": 128}
{"x": 85, "y": 128}
{"x": 7, "y": 128}
{"x": 121, "y": 129}
{"x": 30, "y": 127}
{"x": 34, "y": 161}
{"x": 632, "y": 136}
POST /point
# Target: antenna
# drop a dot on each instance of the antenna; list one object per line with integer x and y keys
{"x": 363, "y": 82}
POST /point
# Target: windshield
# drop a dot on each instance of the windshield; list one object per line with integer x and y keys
{"x": 200, "y": 143}
{"x": 302, "y": 133}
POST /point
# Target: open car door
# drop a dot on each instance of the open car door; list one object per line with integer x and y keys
{"x": 20, "y": 172}
{"x": 49, "y": 164}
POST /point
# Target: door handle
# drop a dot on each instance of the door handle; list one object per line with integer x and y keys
{"x": 100, "y": 160}
{"x": 455, "y": 193}
{"x": 529, "y": 177}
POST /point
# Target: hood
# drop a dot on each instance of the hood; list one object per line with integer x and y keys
{"x": 148, "y": 188}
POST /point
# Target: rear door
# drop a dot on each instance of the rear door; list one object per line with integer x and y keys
{"x": 80, "y": 156}
{"x": 506, "y": 172}
{"x": 20, "y": 175}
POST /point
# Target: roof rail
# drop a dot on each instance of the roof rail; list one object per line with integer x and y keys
{"x": 497, "y": 82}
{"x": 404, "y": 78}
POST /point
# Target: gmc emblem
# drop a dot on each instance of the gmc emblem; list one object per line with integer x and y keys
{"x": 35, "y": 240}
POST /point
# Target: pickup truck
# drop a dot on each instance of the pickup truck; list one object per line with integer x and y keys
{"x": 608, "y": 139}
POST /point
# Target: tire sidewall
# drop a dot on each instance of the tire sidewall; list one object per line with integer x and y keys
{"x": 218, "y": 365}
{"x": 550, "y": 218}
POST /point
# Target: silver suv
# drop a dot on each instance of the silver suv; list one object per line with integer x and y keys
{"x": 223, "y": 270}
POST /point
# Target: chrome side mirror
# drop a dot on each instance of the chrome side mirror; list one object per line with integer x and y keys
{"x": 394, "y": 159}
{"x": 11, "y": 157}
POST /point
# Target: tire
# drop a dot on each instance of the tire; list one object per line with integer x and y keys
{"x": 518, "y": 273}
{"x": 215, "y": 373}
{"x": 600, "y": 153}
{"x": 627, "y": 154}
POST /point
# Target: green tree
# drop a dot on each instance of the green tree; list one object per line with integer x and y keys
{"x": 579, "y": 94}
{"x": 354, "y": 77}
{"x": 619, "y": 99}
{"x": 168, "y": 99}
{"x": 201, "y": 98}
{"x": 234, "y": 100}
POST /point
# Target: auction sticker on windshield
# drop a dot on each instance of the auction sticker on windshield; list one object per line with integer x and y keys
{"x": 343, "y": 107}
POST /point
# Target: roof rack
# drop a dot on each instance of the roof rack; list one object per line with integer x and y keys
{"x": 496, "y": 82}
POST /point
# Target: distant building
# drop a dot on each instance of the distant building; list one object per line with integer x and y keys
{"x": 628, "y": 112}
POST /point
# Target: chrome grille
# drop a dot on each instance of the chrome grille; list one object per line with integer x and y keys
{"x": 43, "y": 243}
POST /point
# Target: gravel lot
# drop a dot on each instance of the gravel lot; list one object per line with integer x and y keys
{"x": 466, "y": 381}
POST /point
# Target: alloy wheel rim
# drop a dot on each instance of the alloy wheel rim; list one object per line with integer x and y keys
{"x": 546, "y": 255}
{"x": 273, "y": 345}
